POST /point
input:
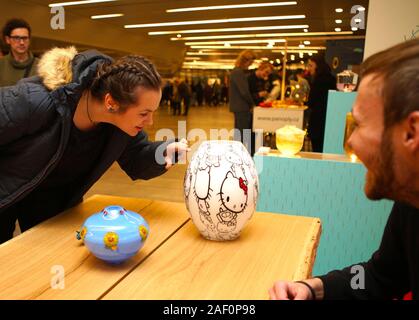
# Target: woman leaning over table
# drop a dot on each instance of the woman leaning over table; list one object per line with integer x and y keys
{"x": 60, "y": 132}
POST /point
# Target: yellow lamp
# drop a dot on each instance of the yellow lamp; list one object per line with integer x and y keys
{"x": 289, "y": 140}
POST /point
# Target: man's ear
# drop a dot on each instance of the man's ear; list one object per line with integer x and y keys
{"x": 411, "y": 140}
{"x": 7, "y": 39}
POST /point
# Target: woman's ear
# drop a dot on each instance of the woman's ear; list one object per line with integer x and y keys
{"x": 110, "y": 104}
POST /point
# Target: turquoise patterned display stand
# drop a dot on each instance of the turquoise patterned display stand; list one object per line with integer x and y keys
{"x": 332, "y": 191}
{"x": 338, "y": 105}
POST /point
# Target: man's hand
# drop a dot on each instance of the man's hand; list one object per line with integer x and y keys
{"x": 176, "y": 149}
{"x": 287, "y": 290}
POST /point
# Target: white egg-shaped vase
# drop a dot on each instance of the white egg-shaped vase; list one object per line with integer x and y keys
{"x": 221, "y": 189}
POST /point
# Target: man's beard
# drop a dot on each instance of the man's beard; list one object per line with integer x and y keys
{"x": 382, "y": 183}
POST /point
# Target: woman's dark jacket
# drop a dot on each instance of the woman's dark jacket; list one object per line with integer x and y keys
{"x": 317, "y": 102}
{"x": 35, "y": 125}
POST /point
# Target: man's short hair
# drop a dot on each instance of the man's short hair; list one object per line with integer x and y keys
{"x": 398, "y": 67}
{"x": 265, "y": 65}
{"x": 15, "y": 24}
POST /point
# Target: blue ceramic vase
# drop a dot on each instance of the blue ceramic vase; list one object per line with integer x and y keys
{"x": 114, "y": 234}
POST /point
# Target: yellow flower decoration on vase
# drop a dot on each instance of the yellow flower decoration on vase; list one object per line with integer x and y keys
{"x": 83, "y": 233}
{"x": 111, "y": 240}
{"x": 143, "y": 232}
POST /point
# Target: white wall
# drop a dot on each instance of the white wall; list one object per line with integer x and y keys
{"x": 390, "y": 22}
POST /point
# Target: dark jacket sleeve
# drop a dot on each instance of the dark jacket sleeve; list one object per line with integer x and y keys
{"x": 240, "y": 82}
{"x": 386, "y": 273}
{"x": 24, "y": 109}
{"x": 319, "y": 91}
{"x": 253, "y": 88}
{"x": 143, "y": 159}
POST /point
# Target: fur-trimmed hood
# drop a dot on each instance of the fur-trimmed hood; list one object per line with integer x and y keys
{"x": 61, "y": 66}
{"x": 55, "y": 67}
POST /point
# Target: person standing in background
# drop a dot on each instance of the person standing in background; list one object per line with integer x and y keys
{"x": 185, "y": 93}
{"x": 20, "y": 62}
{"x": 176, "y": 100}
{"x": 302, "y": 87}
{"x": 199, "y": 92}
{"x": 259, "y": 85}
{"x": 224, "y": 89}
{"x": 208, "y": 93}
{"x": 322, "y": 81}
{"x": 216, "y": 93}
{"x": 241, "y": 101}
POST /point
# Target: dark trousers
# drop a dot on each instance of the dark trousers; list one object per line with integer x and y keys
{"x": 176, "y": 107}
{"x": 316, "y": 128}
{"x": 7, "y": 226}
{"x": 317, "y": 144}
{"x": 186, "y": 103}
{"x": 243, "y": 123}
{"x": 32, "y": 210}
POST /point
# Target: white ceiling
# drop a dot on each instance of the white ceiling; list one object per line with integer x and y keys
{"x": 320, "y": 16}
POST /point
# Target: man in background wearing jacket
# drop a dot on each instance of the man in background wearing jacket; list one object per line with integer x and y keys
{"x": 20, "y": 62}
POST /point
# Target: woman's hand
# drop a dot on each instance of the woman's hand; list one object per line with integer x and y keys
{"x": 176, "y": 150}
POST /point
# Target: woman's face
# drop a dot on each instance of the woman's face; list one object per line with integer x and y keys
{"x": 248, "y": 63}
{"x": 137, "y": 116}
{"x": 311, "y": 67}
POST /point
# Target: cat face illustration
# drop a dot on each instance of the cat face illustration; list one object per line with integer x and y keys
{"x": 234, "y": 193}
{"x": 233, "y": 158}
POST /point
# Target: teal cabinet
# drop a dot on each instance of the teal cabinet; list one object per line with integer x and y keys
{"x": 329, "y": 187}
{"x": 338, "y": 105}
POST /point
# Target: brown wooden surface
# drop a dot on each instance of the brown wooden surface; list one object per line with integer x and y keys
{"x": 26, "y": 261}
{"x": 271, "y": 247}
{"x": 175, "y": 263}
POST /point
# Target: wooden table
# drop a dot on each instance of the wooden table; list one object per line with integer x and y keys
{"x": 175, "y": 262}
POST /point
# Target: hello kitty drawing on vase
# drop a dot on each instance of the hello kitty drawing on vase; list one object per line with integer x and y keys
{"x": 221, "y": 189}
{"x": 202, "y": 188}
{"x": 232, "y": 203}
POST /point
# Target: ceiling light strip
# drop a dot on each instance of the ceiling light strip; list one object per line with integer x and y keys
{"x": 254, "y": 47}
{"x": 234, "y": 41}
{"x": 159, "y": 33}
{"x": 296, "y": 51}
{"x": 241, "y": 36}
{"x": 234, "y": 6}
{"x": 107, "y": 16}
{"x": 77, "y": 3}
{"x": 231, "y": 20}
{"x": 210, "y": 53}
